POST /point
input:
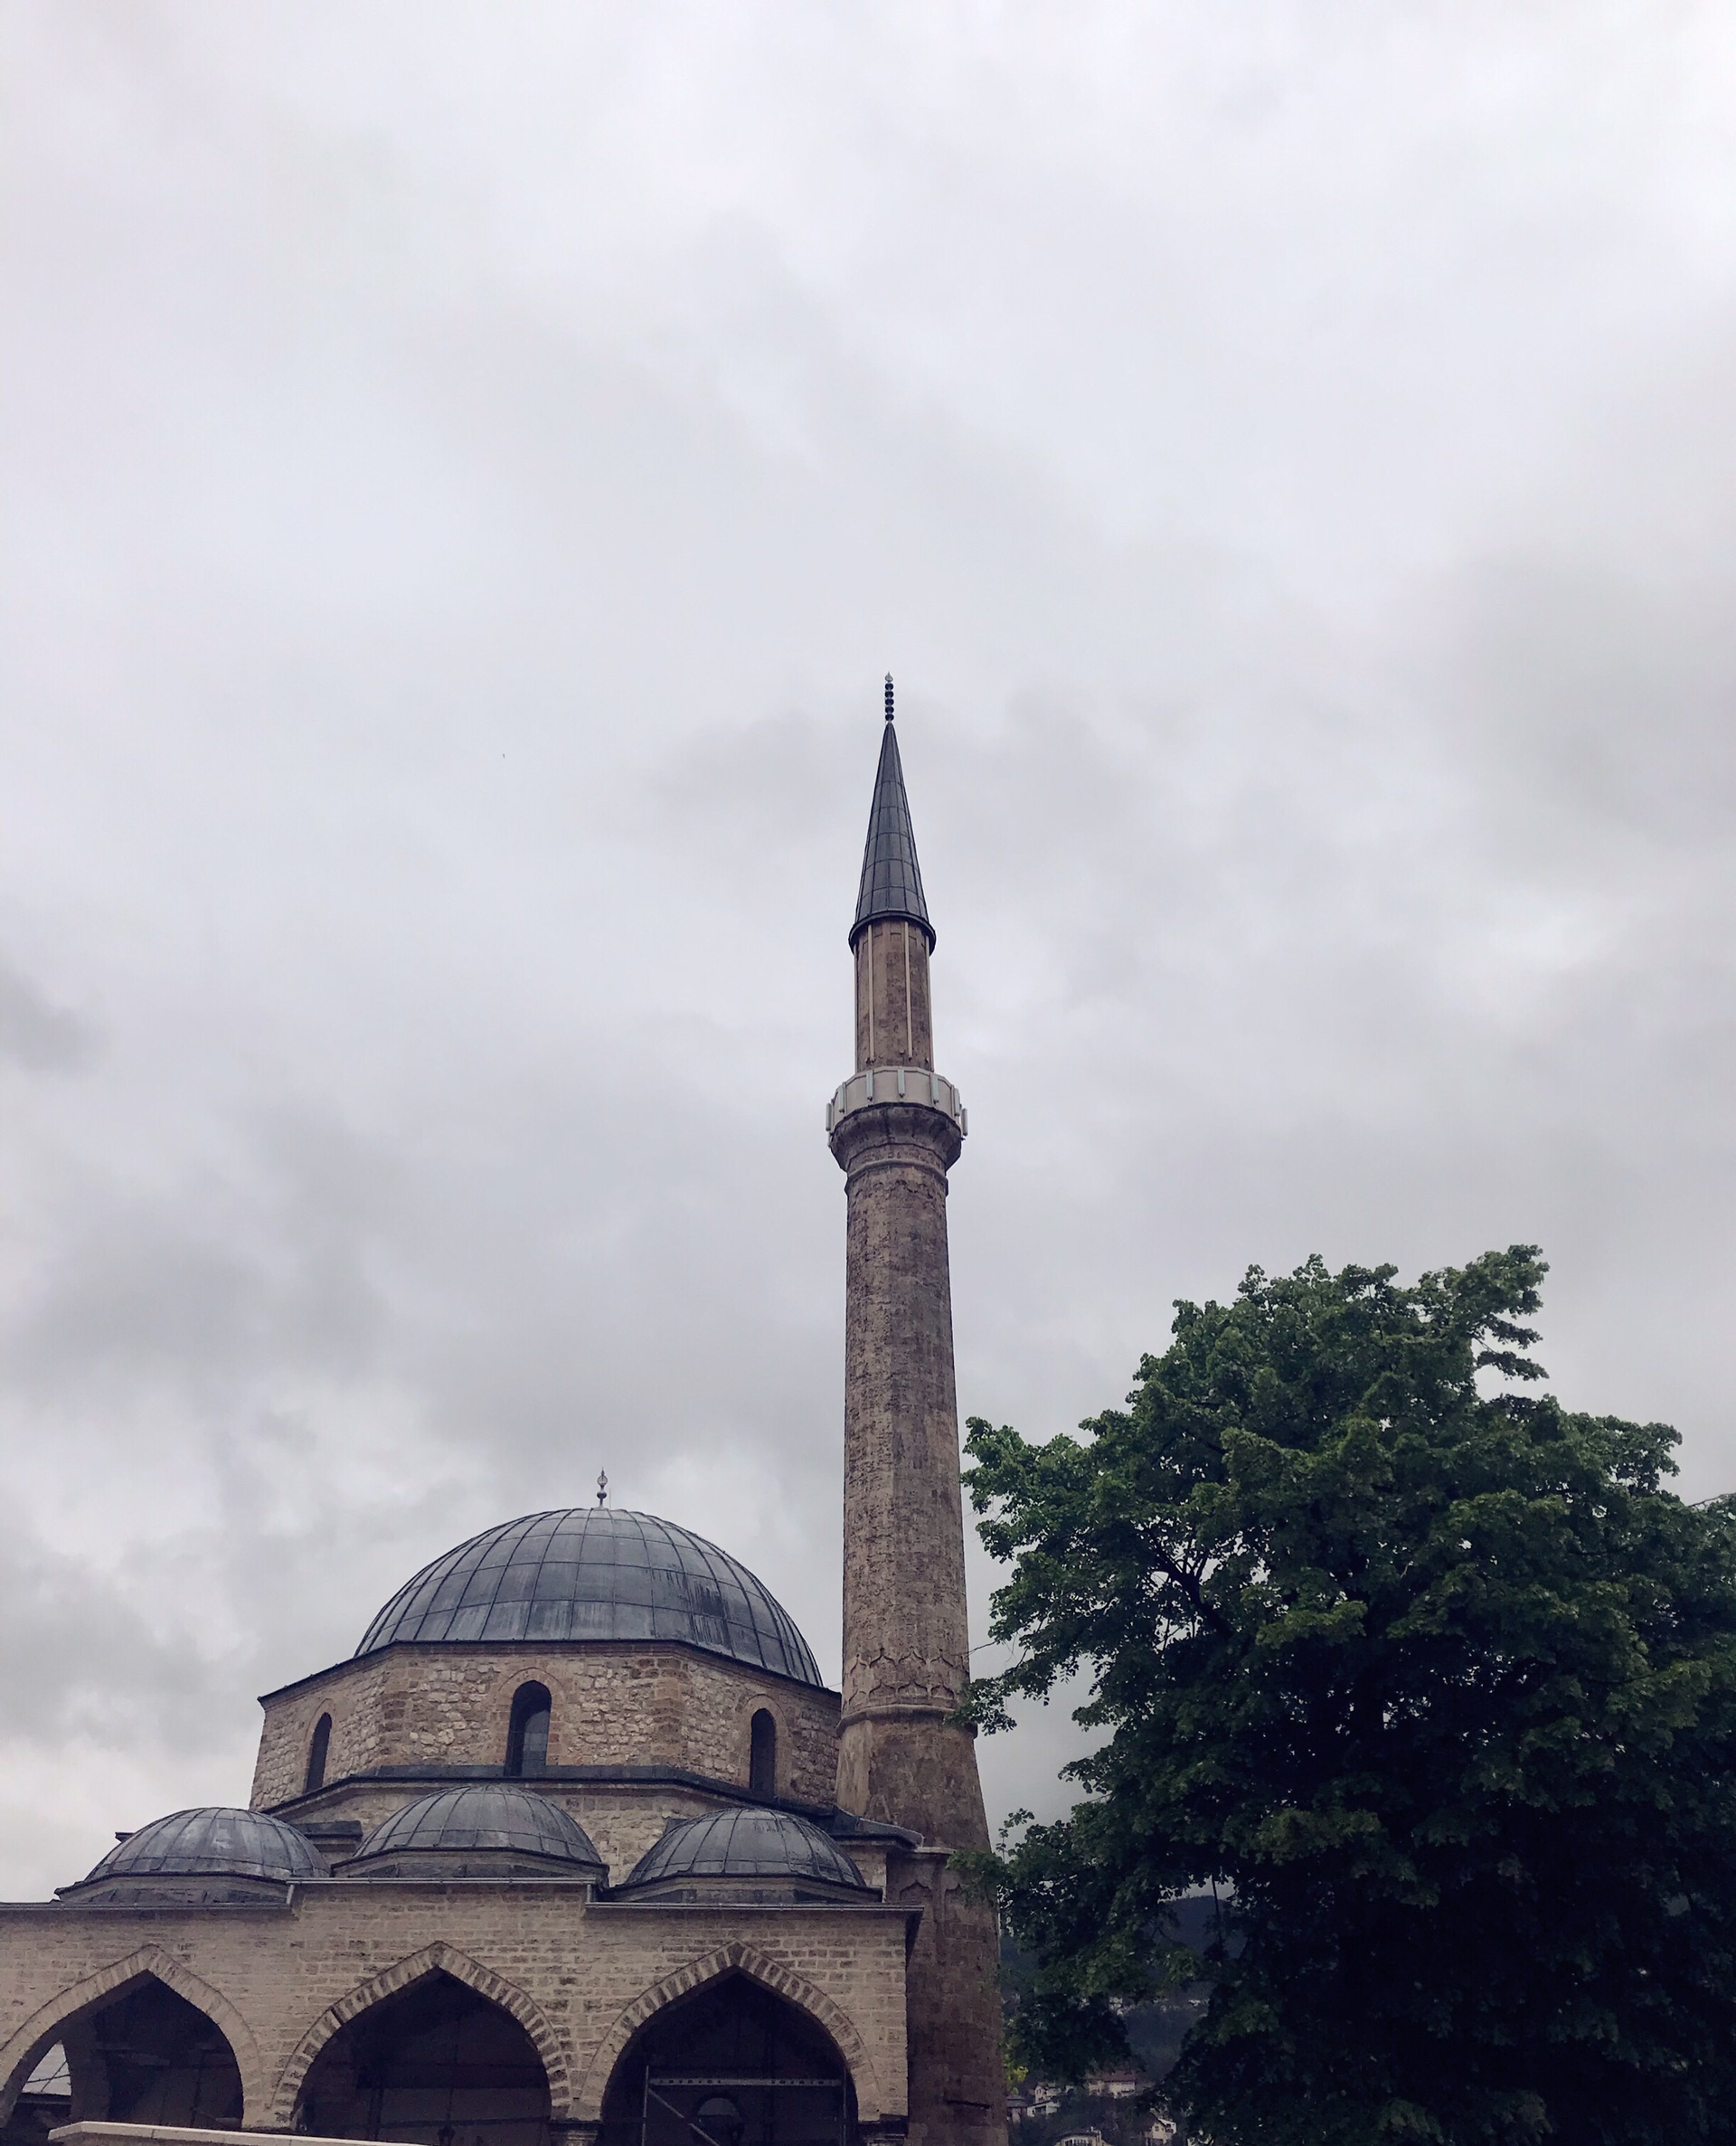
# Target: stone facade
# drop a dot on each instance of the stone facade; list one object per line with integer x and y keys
{"x": 614, "y": 1705}
{"x": 578, "y": 1973}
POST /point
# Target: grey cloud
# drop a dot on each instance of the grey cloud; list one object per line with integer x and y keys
{"x": 81, "y": 1659}
{"x": 213, "y": 1276}
{"x": 37, "y": 1034}
{"x": 458, "y": 510}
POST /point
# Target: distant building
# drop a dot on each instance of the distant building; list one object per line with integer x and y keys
{"x": 577, "y": 1848}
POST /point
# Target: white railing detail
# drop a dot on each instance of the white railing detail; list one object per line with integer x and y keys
{"x": 914, "y": 1084}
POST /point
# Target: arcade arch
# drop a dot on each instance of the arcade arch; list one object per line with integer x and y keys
{"x": 434, "y": 2064}
{"x": 140, "y": 2052}
{"x": 733, "y": 2063}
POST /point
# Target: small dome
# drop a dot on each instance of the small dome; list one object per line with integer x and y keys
{"x": 489, "y": 1819}
{"x": 768, "y": 1847}
{"x": 212, "y": 1843}
{"x": 595, "y": 1572}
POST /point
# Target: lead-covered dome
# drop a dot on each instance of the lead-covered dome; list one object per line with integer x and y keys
{"x": 490, "y": 1827}
{"x": 595, "y": 1572}
{"x": 211, "y": 1846}
{"x": 753, "y": 1850}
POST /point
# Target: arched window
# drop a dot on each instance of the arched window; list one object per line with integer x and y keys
{"x": 762, "y": 1754}
{"x": 527, "y": 1741}
{"x": 318, "y": 1745}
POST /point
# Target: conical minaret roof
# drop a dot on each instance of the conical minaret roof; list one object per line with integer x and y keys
{"x": 892, "y": 879}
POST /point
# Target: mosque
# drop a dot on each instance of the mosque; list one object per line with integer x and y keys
{"x": 578, "y": 1846}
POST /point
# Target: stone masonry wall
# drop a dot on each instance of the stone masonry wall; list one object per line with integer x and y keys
{"x": 613, "y": 1703}
{"x": 579, "y": 1975}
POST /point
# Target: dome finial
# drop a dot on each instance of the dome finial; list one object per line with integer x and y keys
{"x": 889, "y": 696}
{"x": 602, "y": 1486}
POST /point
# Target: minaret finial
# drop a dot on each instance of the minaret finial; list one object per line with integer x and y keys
{"x": 602, "y": 1486}
{"x": 889, "y": 696}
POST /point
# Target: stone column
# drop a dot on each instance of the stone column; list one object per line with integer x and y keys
{"x": 906, "y": 1635}
{"x": 896, "y": 1130}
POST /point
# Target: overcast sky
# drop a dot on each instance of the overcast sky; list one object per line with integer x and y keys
{"x": 466, "y": 469}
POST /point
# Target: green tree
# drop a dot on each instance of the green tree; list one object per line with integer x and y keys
{"x": 1430, "y": 1679}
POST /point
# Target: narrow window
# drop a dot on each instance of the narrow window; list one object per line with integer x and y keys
{"x": 762, "y": 1754}
{"x": 319, "y": 1746}
{"x": 527, "y": 1741}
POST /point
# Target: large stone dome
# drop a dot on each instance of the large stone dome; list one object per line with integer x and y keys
{"x": 595, "y": 1572}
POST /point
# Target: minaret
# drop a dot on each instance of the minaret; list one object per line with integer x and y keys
{"x": 896, "y": 1128}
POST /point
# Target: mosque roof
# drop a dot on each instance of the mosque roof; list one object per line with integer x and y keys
{"x": 892, "y": 879}
{"x": 213, "y": 1842}
{"x": 491, "y": 1815}
{"x": 595, "y": 1572}
{"x": 747, "y": 1843}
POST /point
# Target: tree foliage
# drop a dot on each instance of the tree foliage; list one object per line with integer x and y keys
{"x": 1431, "y": 1679}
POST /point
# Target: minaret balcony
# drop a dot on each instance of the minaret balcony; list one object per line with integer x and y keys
{"x": 897, "y": 1084}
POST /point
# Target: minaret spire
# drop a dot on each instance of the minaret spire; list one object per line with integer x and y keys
{"x": 896, "y": 1130}
{"x": 892, "y": 879}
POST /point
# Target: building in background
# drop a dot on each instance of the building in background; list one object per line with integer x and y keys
{"x": 578, "y": 1846}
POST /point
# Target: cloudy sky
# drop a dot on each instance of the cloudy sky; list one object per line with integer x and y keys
{"x": 465, "y": 471}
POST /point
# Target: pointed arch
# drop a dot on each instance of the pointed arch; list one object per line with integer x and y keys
{"x": 435, "y": 1959}
{"x": 732, "y": 1959}
{"x": 45, "y": 2026}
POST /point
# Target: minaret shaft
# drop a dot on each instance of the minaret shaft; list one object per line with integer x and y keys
{"x": 906, "y": 1637}
{"x": 895, "y": 1025}
{"x": 896, "y": 1130}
